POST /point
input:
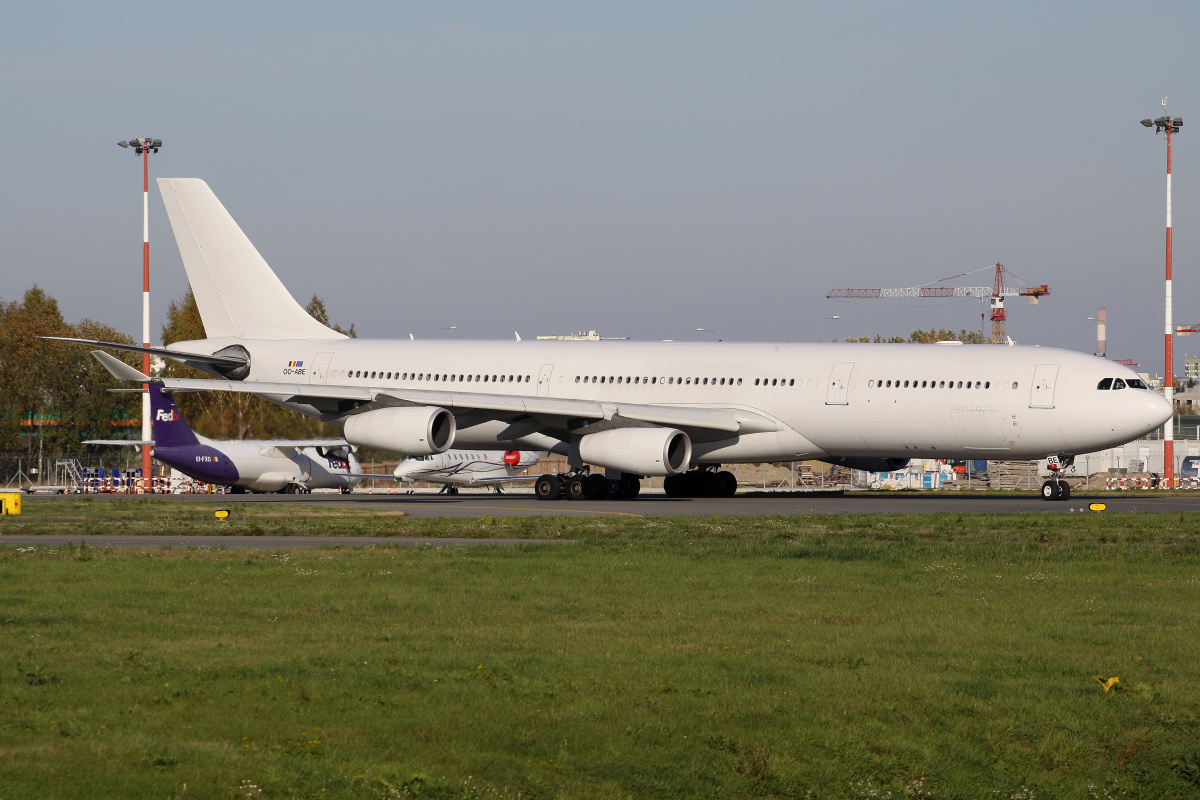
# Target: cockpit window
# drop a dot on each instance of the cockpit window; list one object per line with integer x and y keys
{"x": 1118, "y": 383}
{"x": 1136, "y": 383}
{"x": 1105, "y": 384}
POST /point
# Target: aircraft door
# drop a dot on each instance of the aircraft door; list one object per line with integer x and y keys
{"x": 839, "y": 384}
{"x": 320, "y": 370}
{"x": 1044, "y": 376}
{"x": 543, "y": 387}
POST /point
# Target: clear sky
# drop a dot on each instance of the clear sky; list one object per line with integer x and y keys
{"x": 644, "y": 169}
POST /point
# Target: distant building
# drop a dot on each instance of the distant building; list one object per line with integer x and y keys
{"x": 590, "y": 336}
{"x": 1191, "y": 368}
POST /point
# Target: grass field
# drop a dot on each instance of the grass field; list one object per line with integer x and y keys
{"x": 851, "y": 656}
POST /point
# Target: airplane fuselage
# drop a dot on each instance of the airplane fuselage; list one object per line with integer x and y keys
{"x": 260, "y": 466}
{"x": 806, "y": 400}
{"x": 468, "y": 467}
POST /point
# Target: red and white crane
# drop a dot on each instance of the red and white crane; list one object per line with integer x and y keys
{"x": 994, "y": 293}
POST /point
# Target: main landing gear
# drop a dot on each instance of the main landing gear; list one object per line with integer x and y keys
{"x": 587, "y": 486}
{"x": 705, "y": 481}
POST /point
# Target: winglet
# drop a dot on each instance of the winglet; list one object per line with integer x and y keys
{"x": 518, "y": 335}
{"x": 118, "y": 368}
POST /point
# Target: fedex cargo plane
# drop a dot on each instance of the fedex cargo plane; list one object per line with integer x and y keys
{"x": 637, "y": 408}
{"x": 256, "y": 465}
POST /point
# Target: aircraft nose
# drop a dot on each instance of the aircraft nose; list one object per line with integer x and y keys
{"x": 1154, "y": 411}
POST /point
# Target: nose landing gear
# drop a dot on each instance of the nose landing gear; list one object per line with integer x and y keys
{"x": 1057, "y": 487}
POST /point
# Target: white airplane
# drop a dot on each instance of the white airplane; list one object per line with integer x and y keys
{"x": 455, "y": 468}
{"x": 256, "y": 465}
{"x": 676, "y": 409}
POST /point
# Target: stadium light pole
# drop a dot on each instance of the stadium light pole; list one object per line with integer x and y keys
{"x": 142, "y": 148}
{"x": 820, "y": 335}
{"x": 1170, "y": 125}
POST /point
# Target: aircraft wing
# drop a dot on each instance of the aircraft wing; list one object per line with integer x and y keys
{"x": 298, "y": 442}
{"x": 119, "y": 442}
{"x": 337, "y": 401}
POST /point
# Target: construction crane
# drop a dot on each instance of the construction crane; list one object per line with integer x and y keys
{"x": 1129, "y": 362}
{"x": 1184, "y": 330}
{"x": 995, "y": 294}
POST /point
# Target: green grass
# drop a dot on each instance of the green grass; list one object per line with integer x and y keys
{"x": 831, "y": 657}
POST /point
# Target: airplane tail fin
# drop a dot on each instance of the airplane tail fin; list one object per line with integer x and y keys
{"x": 170, "y": 428}
{"x": 237, "y": 293}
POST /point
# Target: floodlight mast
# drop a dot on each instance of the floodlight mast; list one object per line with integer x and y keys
{"x": 142, "y": 147}
{"x": 1169, "y": 125}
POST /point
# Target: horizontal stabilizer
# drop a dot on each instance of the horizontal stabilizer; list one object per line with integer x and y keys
{"x": 118, "y": 368}
{"x": 227, "y": 361}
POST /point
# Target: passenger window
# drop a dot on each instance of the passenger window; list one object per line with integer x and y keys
{"x": 906, "y": 384}
{"x": 756, "y": 381}
{"x": 942, "y": 385}
{"x": 791, "y": 381}
{"x": 774, "y": 381}
{"x": 889, "y": 384}
{"x": 654, "y": 380}
{"x": 1118, "y": 383}
{"x": 960, "y": 384}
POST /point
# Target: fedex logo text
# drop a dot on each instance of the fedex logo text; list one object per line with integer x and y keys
{"x": 163, "y": 415}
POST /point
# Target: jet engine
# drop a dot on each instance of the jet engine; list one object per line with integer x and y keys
{"x": 870, "y": 464}
{"x": 639, "y": 451}
{"x": 412, "y": 430}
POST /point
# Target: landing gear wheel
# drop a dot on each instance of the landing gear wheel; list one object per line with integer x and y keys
{"x": 596, "y": 487}
{"x": 577, "y": 488}
{"x": 1053, "y": 490}
{"x": 673, "y": 485}
{"x": 548, "y": 487}
{"x": 631, "y": 485}
{"x": 1064, "y": 490}
{"x": 728, "y": 484}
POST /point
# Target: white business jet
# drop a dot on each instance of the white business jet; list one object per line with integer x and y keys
{"x": 672, "y": 409}
{"x": 455, "y": 468}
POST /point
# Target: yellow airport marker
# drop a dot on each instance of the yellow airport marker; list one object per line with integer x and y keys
{"x": 222, "y": 514}
{"x": 1097, "y": 507}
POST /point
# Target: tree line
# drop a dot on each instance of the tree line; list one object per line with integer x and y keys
{"x": 930, "y": 336}
{"x": 55, "y": 395}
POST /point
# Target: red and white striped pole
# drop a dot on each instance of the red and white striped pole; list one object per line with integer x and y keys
{"x": 143, "y": 147}
{"x": 1168, "y": 379}
{"x": 146, "y": 426}
{"x": 1170, "y": 125}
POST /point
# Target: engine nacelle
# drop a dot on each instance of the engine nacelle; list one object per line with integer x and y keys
{"x": 412, "y": 430}
{"x": 870, "y": 464}
{"x": 639, "y": 451}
